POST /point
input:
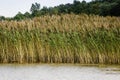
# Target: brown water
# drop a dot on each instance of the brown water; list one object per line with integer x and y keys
{"x": 58, "y": 72}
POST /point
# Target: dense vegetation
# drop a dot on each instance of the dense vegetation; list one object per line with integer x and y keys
{"x": 80, "y": 32}
{"x": 97, "y": 7}
{"x": 65, "y": 38}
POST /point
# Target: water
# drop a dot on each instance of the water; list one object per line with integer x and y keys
{"x": 58, "y": 72}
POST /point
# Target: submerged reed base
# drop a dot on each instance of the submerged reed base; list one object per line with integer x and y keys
{"x": 61, "y": 39}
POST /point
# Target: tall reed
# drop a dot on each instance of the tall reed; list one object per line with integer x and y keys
{"x": 69, "y": 38}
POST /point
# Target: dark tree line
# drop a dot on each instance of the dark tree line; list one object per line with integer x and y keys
{"x": 97, "y": 7}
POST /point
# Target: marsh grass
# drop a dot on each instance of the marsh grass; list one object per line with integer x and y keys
{"x": 85, "y": 39}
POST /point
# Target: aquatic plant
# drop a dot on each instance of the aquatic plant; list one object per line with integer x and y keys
{"x": 66, "y": 38}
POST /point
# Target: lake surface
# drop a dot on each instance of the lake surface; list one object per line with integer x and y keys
{"x": 58, "y": 72}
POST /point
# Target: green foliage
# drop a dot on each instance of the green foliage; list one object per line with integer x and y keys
{"x": 2, "y": 18}
{"x": 115, "y": 10}
{"x": 27, "y": 15}
{"x": 35, "y": 10}
{"x": 19, "y": 16}
{"x": 97, "y": 7}
{"x": 35, "y": 7}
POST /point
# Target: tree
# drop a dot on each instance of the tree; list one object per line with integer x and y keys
{"x": 77, "y": 7}
{"x": 27, "y": 15}
{"x": 44, "y": 10}
{"x": 115, "y": 9}
{"x": 19, "y": 16}
{"x": 2, "y": 18}
{"x": 52, "y": 10}
{"x": 108, "y": 8}
{"x": 98, "y": 7}
{"x": 35, "y": 7}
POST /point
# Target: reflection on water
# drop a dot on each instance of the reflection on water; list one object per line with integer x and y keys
{"x": 58, "y": 72}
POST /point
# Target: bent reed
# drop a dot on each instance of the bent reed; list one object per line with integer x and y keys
{"x": 66, "y": 38}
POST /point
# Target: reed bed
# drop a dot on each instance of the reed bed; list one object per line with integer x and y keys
{"x": 66, "y": 38}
